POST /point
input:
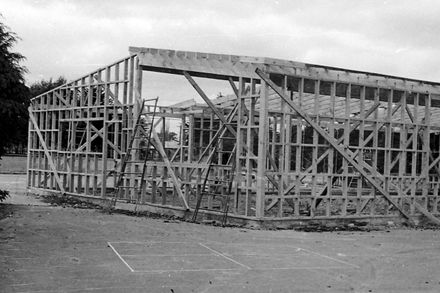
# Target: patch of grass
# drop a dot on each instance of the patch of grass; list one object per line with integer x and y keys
{"x": 6, "y": 210}
{"x": 342, "y": 227}
{"x": 68, "y": 201}
{"x": 13, "y": 164}
{"x": 427, "y": 224}
{"x": 147, "y": 214}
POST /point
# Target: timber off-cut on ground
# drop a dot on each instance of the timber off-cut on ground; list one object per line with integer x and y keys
{"x": 46, "y": 248}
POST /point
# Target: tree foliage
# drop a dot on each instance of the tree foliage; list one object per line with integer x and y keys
{"x": 43, "y": 86}
{"x": 3, "y": 195}
{"x": 14, "y": 94}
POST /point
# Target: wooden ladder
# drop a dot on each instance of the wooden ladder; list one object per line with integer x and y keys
{"x": 142, "y": 130}
{"x": 227, "y": 182}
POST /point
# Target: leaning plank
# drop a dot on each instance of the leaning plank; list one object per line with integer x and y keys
{"x": 46, "y": 152}
{"x": 159, "y": 147}
{"x": 210, "y": 104}
{"x": 332, "y": 142}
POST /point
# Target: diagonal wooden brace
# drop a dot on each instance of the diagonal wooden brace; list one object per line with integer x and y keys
{"x": 339, "y": 141}
{"x": 46, "y": 152}
{"x": 177, "y": 183}
{"x": 333, "y": 142}
{"x": 225, "y": 122}
{"x": 99, "y": 132}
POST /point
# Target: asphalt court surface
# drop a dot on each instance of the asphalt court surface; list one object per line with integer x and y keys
{"x": 162, "y": 257}
{"x": 56, "y": 249}
{"x": 53, "y": 249}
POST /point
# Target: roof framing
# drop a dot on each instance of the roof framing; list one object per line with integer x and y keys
{"x": 223, "y": 66}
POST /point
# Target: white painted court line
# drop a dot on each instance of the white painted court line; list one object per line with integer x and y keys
{"x": 300, "y": 268}
{"x": 329, "y": 257}
{"x": 13, "y": 257}
{"x": 267, "y": 255}
{"x": 297, "y": 249}
{"x": 120, "y": 257}
{"x": 37, "y": 269}
{"x": 270, "y": 237}
{"x": 228, "y": 258}
{"x": 166, "y": 255}
{"x": 218, "y": 253}
{"x": 25, "y": 284}
{"x": 254, "y": 269}
{"x": 149, "y": 241}
{"x": 184, "y": 270}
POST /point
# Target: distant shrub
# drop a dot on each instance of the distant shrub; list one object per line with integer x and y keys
{"x": 4, "y": 194}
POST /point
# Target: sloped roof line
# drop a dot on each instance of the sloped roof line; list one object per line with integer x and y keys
{"x": 245, "y": 65}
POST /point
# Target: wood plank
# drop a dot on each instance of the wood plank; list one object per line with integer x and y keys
{"x": 263, "y": 146}
{"x": 46, "y": 151}
{"x": 178, "y": 185}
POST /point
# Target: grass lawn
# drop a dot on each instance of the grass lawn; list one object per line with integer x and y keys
{"x": 13, "y": 164}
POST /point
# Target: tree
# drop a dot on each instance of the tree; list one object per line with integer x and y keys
{"x": 43, "y": 86}
{"x": 14, "y": 94}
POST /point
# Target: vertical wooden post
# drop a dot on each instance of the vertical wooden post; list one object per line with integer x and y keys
{"x": 299, "y": 159}
{"x": 283, "y": 154}
{"x": 361, "y": 127}
{"x": 186, "y": 173}
{"x": 330, "y": 167}
{"x": 263, "y": 133}
{"x": 105, "y": 126}
{"x": 415, "y": 145}
{"x": 117, "y": 127}
{"x": 375, "y": 147}
{"x": 29, "y": 153}
{"x": 238, "y": 143}
{"x": 316, "y": 109}
{"x": 426, "y": 149}
{"x": 287, "y": 141}
{"x": 135, "y": 114}
{"x": 403, "y": 132}
{"x": 388, "y": 140}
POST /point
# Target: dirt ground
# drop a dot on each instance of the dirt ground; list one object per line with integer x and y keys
{"x": 46, "y": 248}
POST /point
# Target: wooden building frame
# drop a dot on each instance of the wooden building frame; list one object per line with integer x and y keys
{"x": 295, "y": 142}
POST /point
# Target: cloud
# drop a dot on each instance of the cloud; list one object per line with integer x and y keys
{"x": 72, "y": 38}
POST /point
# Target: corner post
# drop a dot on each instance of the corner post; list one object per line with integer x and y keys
{"x": 29, "y": 174}
{"x": 136, "y": 110}
{"x": 263, "y": 136}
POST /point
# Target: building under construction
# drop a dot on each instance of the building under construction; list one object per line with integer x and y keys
{"x": 293, "y": 143}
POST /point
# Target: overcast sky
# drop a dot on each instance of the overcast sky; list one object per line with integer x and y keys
{"x": 72, "y": 38}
